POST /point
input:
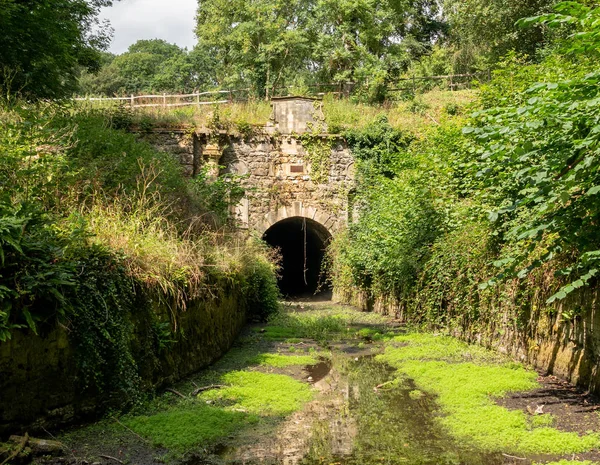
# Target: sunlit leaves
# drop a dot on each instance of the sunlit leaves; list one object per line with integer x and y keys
{"x": 539, "y": 155}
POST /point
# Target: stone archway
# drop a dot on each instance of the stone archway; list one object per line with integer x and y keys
{"x": 302, "y": 243}
{"x": 330, "y": 222}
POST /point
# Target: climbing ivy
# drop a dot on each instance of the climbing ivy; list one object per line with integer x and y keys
{"x": 103, "y": 300}
{"x": 318, "y": 155}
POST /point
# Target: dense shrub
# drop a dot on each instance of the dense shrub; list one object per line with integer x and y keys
{"x": 453, "y": 219}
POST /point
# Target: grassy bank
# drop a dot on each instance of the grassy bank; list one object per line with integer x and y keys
{"x": 413, "y": 112}
{"x": 95, "y": 225}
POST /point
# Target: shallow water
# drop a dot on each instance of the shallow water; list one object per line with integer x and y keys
{"x": 364, "y": 413}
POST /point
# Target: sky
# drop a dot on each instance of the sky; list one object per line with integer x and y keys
{"x": 171, "y": 20}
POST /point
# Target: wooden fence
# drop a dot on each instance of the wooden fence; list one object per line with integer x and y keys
{"x": 413, "y": 85}
{"x": 167, "y": 100}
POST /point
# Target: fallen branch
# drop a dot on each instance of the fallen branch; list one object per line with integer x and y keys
{"x": 379, "y": 386}
{"x": 176, "y": 392}
{"x": 197, "y": 391}
{"x": 18, "y": 450}
{"x": 109, "y": 457}
{"x": 433, "y": 119}
{"x": 513, "y": 457}
{"x": 130, "y": 430}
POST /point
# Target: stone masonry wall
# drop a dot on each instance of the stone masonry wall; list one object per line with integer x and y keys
{"x": 276, "y": 173}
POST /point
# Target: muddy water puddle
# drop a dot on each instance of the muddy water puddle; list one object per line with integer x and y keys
{"x": 363, "y": 413}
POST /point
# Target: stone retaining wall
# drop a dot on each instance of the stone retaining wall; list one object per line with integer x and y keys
{"x": 40, "y": 386}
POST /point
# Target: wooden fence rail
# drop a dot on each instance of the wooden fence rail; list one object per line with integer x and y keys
{"x": 454, "y": 82}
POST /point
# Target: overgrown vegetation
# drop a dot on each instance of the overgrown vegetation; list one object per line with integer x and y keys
{"x": 492, "y": 210}
{"x": 466, "y": 388}
{"x": 406, "y": 396}
{"x": 97, "y": 229}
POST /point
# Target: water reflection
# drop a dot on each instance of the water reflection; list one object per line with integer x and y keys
{"x": 363, "y": 414}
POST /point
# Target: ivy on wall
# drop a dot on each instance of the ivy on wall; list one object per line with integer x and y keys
{"x": 318, "y": 155}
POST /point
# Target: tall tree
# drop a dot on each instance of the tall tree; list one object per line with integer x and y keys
{"x": 265, "y": 43}
{"x": 482, "y": 31}
{"x": 44, "y": 44}
{"x": 258, "y": 43}
{"x": 372, "y": 41}
{"x": 151, "y": 66}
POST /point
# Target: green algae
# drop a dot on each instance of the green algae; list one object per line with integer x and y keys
{"x": 281, "y": 361}
{"x": 189, "y": 426}
{"x": 260, "y": 393}
{"x": 466, "y": 391}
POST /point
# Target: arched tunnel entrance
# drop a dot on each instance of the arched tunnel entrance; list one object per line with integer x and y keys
{"x": 301, "y": 243}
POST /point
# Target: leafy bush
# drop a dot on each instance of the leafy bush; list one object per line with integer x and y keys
{"x": 538, "y": 156}
{"x": 261, "y": 289}
{"x": 386, "y": 248}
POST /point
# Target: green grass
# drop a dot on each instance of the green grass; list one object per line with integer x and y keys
{"x": 189, "y": 426}
{"x": 281, "y": 361}
{"x": 323, "y": 325}
{"x": 415, "y": 114}
{"x": 466, "y": 392}
{"x": 260, "y": 393}
{"x": 427, "y": 346}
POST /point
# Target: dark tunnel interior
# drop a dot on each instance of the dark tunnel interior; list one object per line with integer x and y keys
{"x": 301, "y": 243}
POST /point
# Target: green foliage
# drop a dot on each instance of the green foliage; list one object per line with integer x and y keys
{"x": 380, "y": 148}
{"x": 537, "y": 156}
{"x": 189, "y": 426}
{"x": 482, "y": 31}
{"x": 281, "y": 361}
{"x": 218, "y": 195}
{"x": 150, "y": 66}
{"x": 269, "y": 44}
{"x": 318, "y": 156}
{"x": 100, "y": 304}
{"x": 87, "y": 241}
{"x": 44, "y": 44}
{"x": 261, "y": 289}
{"x": 510, "y": 198}
{"x": 397, "y": 221}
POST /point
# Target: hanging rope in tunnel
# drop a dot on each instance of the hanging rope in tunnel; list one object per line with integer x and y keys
{"x": 305, "y": 268}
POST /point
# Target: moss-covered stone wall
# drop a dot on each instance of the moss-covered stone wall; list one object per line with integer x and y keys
{"x": 41, "y": 385}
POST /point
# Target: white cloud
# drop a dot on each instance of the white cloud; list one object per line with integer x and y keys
{"x": 172, "y": 20}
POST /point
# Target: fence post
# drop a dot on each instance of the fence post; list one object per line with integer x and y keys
{"x": 132, "y": 101}
{"x": 198, "y": 99}
{"x": 164, "y": 100}
{"x": 414, "y": 83}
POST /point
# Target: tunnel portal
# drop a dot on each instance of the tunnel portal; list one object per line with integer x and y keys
{"x": 301, "y": 243}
